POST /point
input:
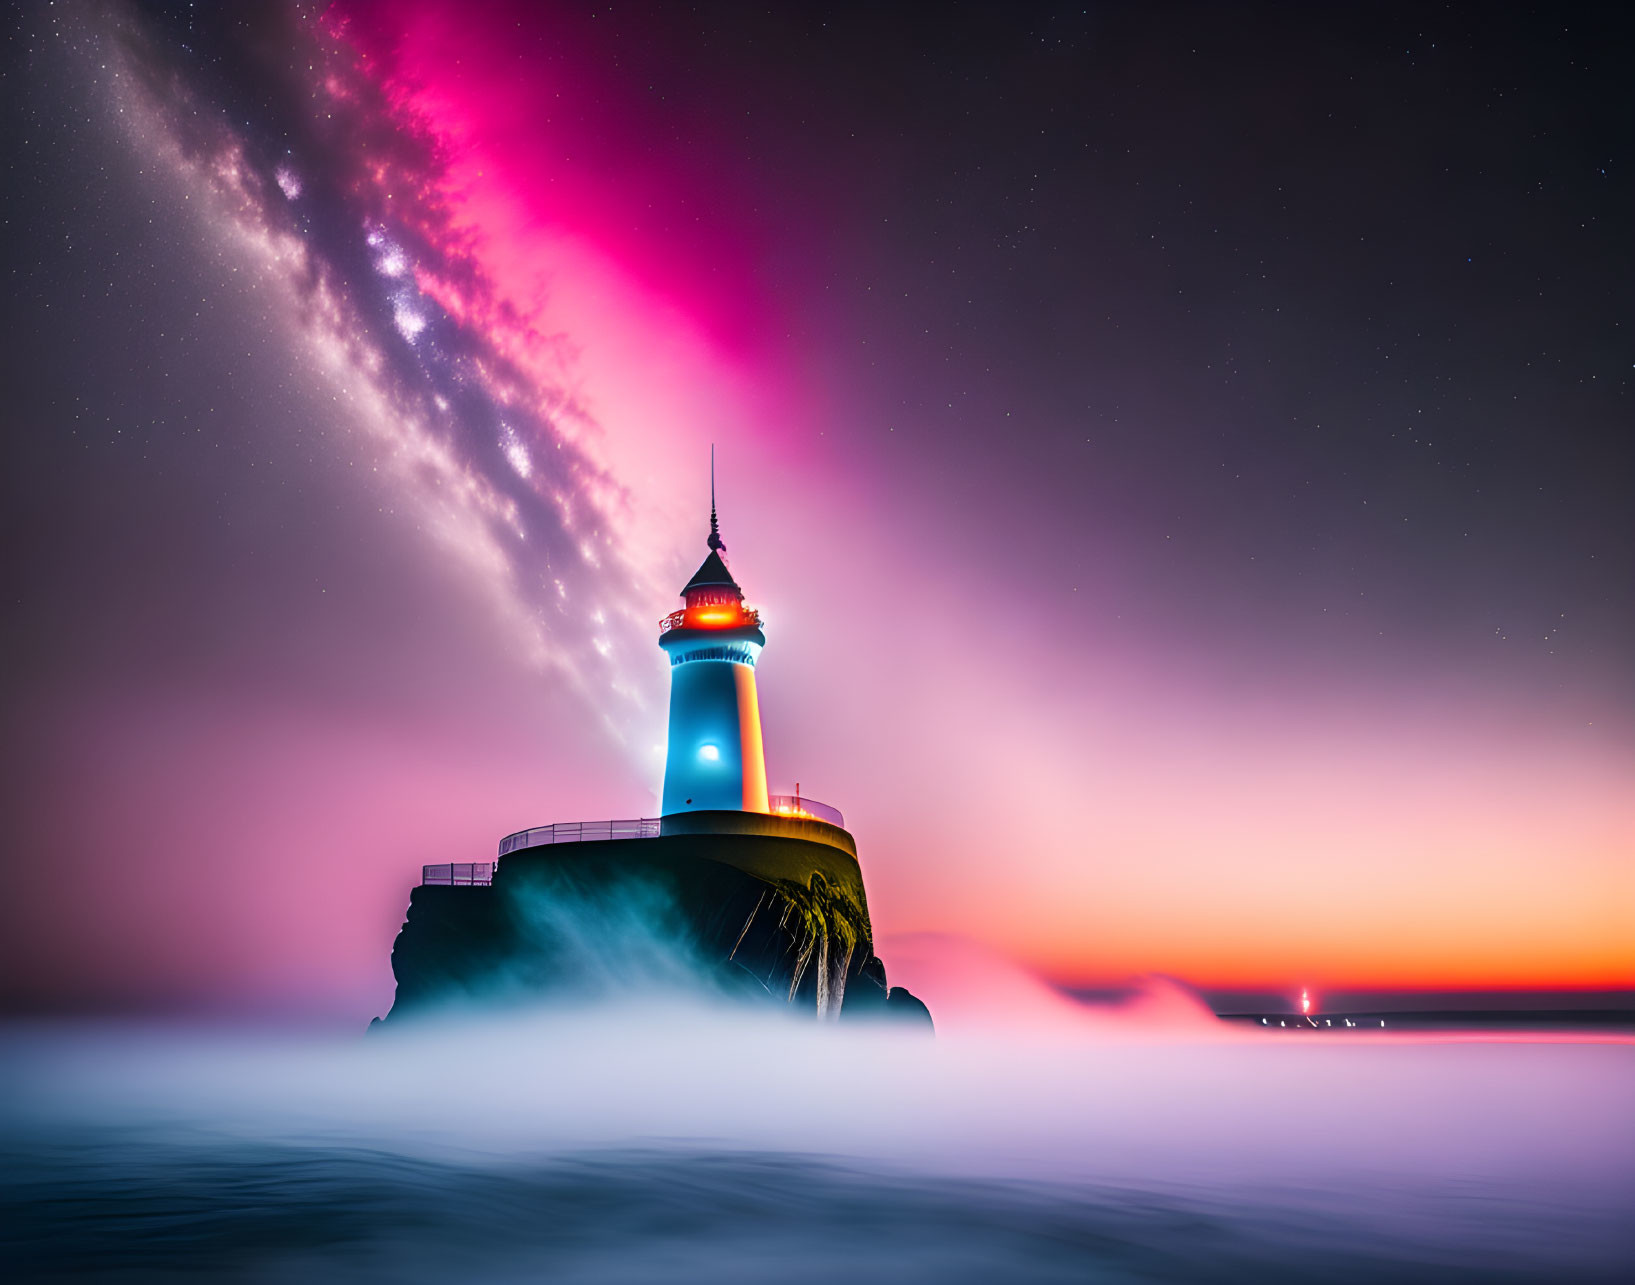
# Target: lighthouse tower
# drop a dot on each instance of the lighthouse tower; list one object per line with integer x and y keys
{"x": 715, "y": 761}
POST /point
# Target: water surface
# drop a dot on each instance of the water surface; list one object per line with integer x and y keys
{"x": 572, "y": 1148}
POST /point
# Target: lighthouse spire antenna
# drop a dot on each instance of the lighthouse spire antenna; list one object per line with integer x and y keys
{"x": 715, "y": 541}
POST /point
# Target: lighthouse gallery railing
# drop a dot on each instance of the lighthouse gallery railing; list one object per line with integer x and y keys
{"x": 479, "y": 873}
{"x": 798, "y": 805}
{"x": 459, "y": 874}
{"x": 580, "y": 832}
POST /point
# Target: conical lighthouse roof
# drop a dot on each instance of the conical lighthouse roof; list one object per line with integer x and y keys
{"x": 713, "y": 572}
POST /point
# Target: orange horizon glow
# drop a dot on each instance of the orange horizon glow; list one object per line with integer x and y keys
{"x": 1252, "y": 958}
{"x": 1480, "y": 970}
{"x": 1123, "y": 825}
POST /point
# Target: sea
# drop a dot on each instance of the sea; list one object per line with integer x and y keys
{"x": 692, "y": 1144}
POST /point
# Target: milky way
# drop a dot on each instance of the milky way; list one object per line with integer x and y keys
{"x": 339, "y": 199}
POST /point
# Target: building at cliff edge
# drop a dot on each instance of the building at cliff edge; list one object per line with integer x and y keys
{"x": 731, "y": 891}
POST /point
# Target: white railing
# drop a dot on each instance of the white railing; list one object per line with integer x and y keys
{"x": 580, "y": 832}
{"x": 783, "y": 805}
{"x": 463, "y": 874}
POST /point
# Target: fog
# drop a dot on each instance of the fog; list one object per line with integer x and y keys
{"x": 553, "y": 1128}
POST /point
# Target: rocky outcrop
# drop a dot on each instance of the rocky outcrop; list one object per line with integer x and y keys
{"x": 767, "y": 919}
{"x": 869, "y": 998}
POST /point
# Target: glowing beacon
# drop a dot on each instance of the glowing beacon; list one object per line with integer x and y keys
{"x": 715, "y": 761}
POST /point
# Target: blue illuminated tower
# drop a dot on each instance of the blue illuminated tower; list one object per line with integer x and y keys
{"x": 715, "y": 761}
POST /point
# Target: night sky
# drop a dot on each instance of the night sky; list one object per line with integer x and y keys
{"x": 1183, "y": 455}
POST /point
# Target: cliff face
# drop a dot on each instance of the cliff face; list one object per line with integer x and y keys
{"x": 768, "y": 919}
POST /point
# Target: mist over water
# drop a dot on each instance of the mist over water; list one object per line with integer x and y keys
{"x": 689, "y": 1142}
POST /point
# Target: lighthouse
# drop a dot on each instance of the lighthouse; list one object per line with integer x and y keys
{"x": 767, "y": 890}
{"x": 714, "y": 761}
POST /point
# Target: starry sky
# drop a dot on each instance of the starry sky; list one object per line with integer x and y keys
{"x": 1182, "y": 454}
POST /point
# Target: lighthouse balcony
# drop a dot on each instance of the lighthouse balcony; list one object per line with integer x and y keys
{"x": 798, "y": 805}
{"x": 459, "y": 874}
{"x": 580, "y": 832}
{"x": 793, "y": 806}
